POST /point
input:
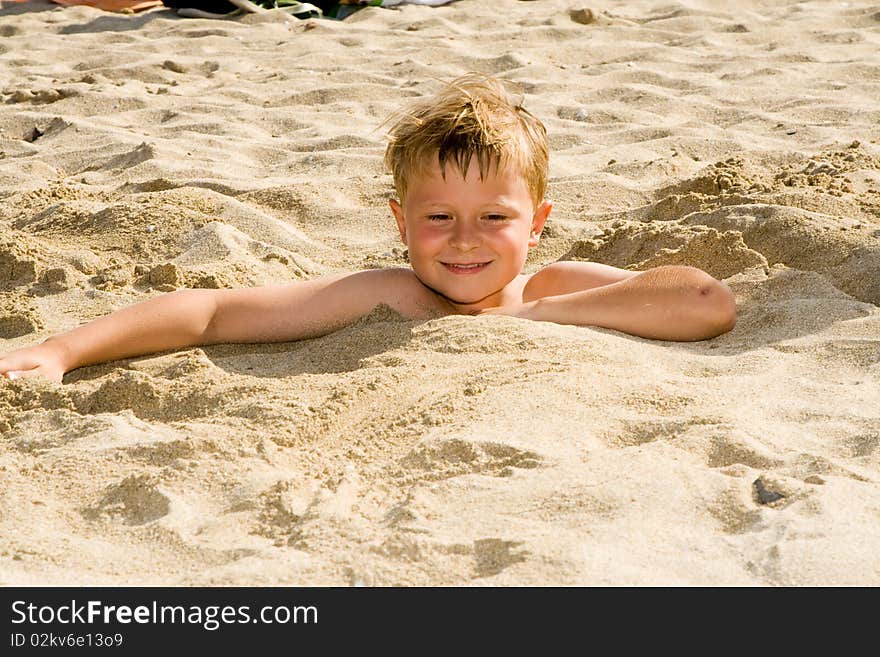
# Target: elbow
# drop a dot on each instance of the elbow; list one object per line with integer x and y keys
{"x": 722, "y": 309}
{"x": 200, "y": 306}
{"x": 724, "y": 324}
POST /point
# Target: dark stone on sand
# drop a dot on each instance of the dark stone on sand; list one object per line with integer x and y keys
{"x": 766, "y": 496}
{"x": 584, "y": 16}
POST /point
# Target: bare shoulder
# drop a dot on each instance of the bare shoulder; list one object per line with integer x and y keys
{"x": 568, "y": 276}
{"x": 401, "y": 289}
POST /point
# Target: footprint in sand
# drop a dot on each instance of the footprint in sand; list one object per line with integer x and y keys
{"x": 137, "y": 500}
{"x": 443, "y": 459}
{"x": 492, "y": 555}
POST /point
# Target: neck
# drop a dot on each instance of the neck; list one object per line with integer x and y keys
{"x": 461, "y": 307}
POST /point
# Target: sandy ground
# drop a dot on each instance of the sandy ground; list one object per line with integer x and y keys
{"x": 142, "y": 153}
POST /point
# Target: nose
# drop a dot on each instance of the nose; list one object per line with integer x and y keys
{"x": 465, "y": 236}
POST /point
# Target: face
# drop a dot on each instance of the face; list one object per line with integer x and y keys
{"x": 468, "y": 238}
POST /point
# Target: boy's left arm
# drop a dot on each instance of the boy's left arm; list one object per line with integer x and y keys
{"x": 665, "y": 303}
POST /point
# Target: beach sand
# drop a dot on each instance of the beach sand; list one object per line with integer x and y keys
{"x": 143, "y": 153}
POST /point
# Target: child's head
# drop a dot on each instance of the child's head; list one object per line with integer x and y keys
{"x": 470, "y": 168}
{"x": 473, "y": 117}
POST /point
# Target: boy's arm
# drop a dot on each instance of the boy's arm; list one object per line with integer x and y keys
{"x": 197, "y": 317}
{"x": 665, "y": 303}
{"x": 304, "y": 310}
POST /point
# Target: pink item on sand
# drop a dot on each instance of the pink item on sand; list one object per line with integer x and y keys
{"x": 119, "y": 6}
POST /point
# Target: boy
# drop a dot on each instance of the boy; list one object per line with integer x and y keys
{"x": 470, "y": 170}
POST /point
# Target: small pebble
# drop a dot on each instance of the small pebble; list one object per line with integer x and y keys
{"x": 173, "y": 66}
{"x": 584, "y": 16}
{"x": 151, "y": 228}
{"x": 766, "y": 496}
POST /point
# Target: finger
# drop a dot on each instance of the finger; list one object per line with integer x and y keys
{"x": 25, "y": 374}
{"x": 15, "y": 363}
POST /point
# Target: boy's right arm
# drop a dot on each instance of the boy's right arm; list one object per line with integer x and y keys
{"x": 187, "y": 318}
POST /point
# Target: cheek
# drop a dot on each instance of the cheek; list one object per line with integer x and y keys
{"x": 424, "y": 237}
{"x": 514, "y": 239}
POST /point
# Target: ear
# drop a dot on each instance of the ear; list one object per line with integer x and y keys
{"x": 397, "y": 210}
{"x": 538, "y": 221}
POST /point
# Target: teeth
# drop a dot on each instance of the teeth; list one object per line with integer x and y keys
{"x": 467, "y": 266}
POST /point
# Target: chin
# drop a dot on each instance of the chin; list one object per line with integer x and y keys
{"x": 466, "y": 299}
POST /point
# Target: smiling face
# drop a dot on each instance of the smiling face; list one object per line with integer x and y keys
{"x": 468, "y": 238}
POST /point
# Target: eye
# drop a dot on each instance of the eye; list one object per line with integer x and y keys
{"x": 438, "y": 217}
{"x": 496, "y": 217}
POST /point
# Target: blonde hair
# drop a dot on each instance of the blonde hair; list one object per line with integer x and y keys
{"x": 472, "y": 116}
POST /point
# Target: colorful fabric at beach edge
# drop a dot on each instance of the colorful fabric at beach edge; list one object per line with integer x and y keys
{"x": 118, "y": 6}
{"x": 316, "y": 9}
{"x": 133, "y": 6}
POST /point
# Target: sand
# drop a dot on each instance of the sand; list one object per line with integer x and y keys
{"x": 144, "y": 153}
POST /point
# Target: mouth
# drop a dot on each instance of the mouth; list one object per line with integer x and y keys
{"x": 465, "y": 268}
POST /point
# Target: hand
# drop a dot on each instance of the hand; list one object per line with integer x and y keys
{"x": 41, "y": 360}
